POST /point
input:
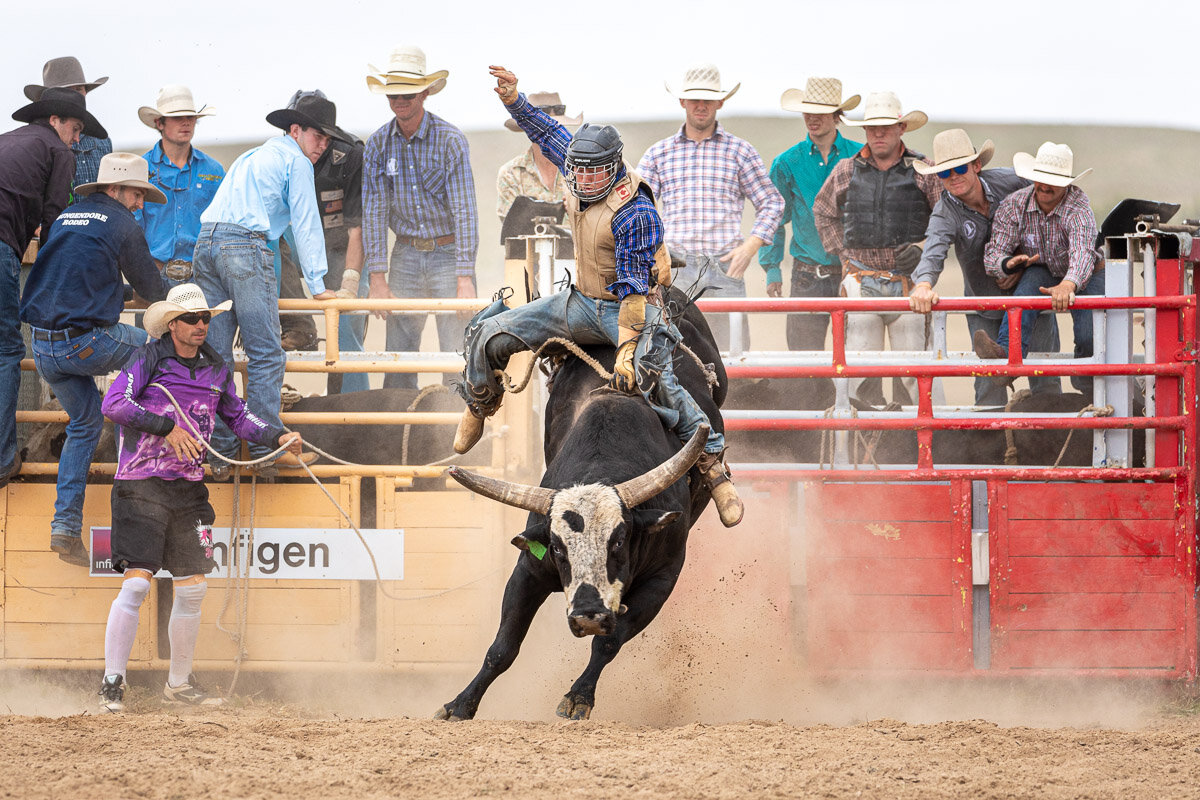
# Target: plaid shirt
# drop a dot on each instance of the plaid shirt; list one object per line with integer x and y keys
{"x": 1065, "y": 238}
{"x": 88, "y": 152}
{"x": 421, "y": 187}
{"x": 828, "y": 209}
{"x": 636, "y": 226}
{"x": 702, "y": 188}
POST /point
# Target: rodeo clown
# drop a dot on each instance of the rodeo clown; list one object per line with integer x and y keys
{"x": 161, "y": 517}
{"x": 621, "y": 263}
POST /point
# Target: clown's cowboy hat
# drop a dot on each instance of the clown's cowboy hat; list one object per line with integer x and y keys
{"x": 186, "y": 298}
{"x": 405, "y": 74}
{"x": 953, "y": 148}
{"x": 174, "y": 100}
{"x": 883, "y": 108}
{"x": 1053, "y": 165}
{"x": 820, "y": 96}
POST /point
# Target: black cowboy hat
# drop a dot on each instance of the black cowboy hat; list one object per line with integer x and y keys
{"x": 56, "y": 102}
{"x": 311, "y": 110}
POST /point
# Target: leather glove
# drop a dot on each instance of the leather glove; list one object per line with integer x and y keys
{"x": 908, "y": 256}
{"x": 624, "y": 378}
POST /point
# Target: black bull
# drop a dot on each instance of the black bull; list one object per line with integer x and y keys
{"x": 612, "y": 513}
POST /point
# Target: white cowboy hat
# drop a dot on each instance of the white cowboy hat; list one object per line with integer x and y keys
{"x": 65, "y": 72}
{"x": 820, "y": 96}
{"x": 185, "y": 298}
{"x": 550, "y": 103}
{"x": 953, "y": 148}
{"x": 405, "y": 74}
{"x": 883, "y": 108}
{"x": 702, "y": 82}
{"x": 174, "y": 100}
{"x": 1053, "y": 165}
{"x": 123, "y": 169}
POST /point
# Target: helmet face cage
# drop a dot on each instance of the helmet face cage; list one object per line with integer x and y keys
{"x": 598, "y": 179}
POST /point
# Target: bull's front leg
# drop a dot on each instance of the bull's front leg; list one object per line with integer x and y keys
{"x": 643, "y": 604}
{"x": 523, "y": 596}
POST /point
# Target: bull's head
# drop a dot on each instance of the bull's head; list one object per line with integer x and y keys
{"x": 587, "y": 531}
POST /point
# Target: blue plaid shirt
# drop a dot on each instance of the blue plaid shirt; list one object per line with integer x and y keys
{"x": 88, "y": 152}
{"x": 637, "y": 227}
{"x": 420, "y": 187}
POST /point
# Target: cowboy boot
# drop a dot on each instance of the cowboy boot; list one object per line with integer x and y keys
{"x": 724, "y": 495}
{"x": 470, "y": 427}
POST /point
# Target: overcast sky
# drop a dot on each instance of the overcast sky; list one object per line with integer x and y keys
{"x": 1014, "y": 61}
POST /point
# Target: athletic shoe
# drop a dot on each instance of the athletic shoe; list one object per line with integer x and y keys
{"x": 112, "y": 694}
{"x": 190, "y": 694}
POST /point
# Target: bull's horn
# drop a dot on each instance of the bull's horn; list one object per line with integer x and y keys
{"x": 530, "y": 498}
{"x": 640, "y": 489}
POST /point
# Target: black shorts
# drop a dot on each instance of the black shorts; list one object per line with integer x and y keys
{"x": 159, "y": 524}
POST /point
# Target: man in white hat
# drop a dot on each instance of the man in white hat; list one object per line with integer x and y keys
{"x": 187, "y": 176}
{"x": 872, "y": 214}
{"x": 266, "y": 189}
{"x": 73, "y": 301}
{"x": 1045, "y": 235}
{"x": 702, "y": 177}
{"x": 531, "y": 174}
{"x": 67, "y": 73}
{"x": 36, "y": 165}
{"x": 166, "y": 401}
{"x": 417, "y": 181}
{"x": 799, "y": 173}
{"x": 963, "y": 218}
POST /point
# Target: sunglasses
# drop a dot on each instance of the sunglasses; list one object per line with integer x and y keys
{"x": 961, "y": 169}
{"x": 195, "y": 317}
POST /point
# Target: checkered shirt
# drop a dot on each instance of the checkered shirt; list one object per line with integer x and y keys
{"x": 1065, "y": 238}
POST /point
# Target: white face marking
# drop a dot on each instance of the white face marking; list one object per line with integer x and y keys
{"x": 587, "y": 550}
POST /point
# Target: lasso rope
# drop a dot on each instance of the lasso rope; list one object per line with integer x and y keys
{"x": 1010, "y": 451}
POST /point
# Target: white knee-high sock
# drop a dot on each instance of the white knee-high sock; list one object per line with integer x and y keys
{"x": 122, "y": 625}
{"x": 183, "y": 629}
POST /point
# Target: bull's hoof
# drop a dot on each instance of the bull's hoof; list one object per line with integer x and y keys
{"x": 445, "y": 713}
{"x": 574, "y": 707}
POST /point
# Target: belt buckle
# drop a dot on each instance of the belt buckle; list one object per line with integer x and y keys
{"x": 424, "y": 245}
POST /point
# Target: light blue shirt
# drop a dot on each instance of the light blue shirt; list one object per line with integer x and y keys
{"x": 172, "y": 227}
{"x": 267, "y": 189}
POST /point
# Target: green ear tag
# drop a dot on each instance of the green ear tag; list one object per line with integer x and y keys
{"x": 537, "y": 548}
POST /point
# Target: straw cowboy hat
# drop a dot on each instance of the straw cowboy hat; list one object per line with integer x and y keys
{"x": 883, "y": 108}
{"x": 702, "y": 82}
{"x": 186, "y": 298}
{"x": 405, "y": 74}
{"x": 953, "y": 148}
{"x": 820, "y": 96}
{"x": 123, "y": 169}
{"x": 1052, "y": 165}
{"x": 552, "y": 105}
{"x": 310, "y": 110}
{"x": 174, "y": 100}
{"x": 60, "y": 73}
{"x": 58, "y": 102}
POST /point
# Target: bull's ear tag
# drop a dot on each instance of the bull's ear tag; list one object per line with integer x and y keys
{"x": 537, "y": 548}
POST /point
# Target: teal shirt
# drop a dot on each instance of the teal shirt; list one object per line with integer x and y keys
{"x": 799, "y": 173}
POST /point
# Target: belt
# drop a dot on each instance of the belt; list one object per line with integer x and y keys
{"x": 231, "y": 227}
{"x": 59, "y": 336}
{"x": 425, "y": 245}
{"x": 820, "y": 270}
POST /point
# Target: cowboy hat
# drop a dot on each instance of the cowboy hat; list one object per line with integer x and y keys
{"x": 1052, "y": 165}
{"x": 174, "y": 100}
{"x": 552, "y": 105}
{"x": 123, "y": 169}
{"x": 883, "y": 108}
{"x": 186, "y": 298}
{"x": 953, "y": 148}
{"x": 820, "y": 96}
{"x": 66, "y": 103}
{"x": 61, "y": 73}
{"x": 310, "y": 110}
{"x": 702, "y": 82}
{"x": 405, "y": 74}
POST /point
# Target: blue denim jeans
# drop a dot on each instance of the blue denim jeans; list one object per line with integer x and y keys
{"x": 70, "y": 367}
{"x": 232, "y": 263}
{"x": 585, "y": 320}
{"x": 706, "y": 271}
{"x": 12, "y": 348}
{"x": 1033, "y": 279}
{"x": 414, "y": 273}
{"x": 989, "y": 392}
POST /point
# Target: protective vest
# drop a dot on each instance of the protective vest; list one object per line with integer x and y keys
{"x": 595, "y": 246}
{"x": 884, "y": 209}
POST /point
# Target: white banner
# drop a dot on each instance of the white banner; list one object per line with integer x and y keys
{"x": 289, "y": 553}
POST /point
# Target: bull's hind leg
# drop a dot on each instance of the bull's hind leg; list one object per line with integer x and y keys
{"x": 523, "y": 596}
{"x": 643, "y": 604}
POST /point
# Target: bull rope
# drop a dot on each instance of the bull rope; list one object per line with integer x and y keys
{"x": 1010, "y": 450}
{"x": 857, "y": 440}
